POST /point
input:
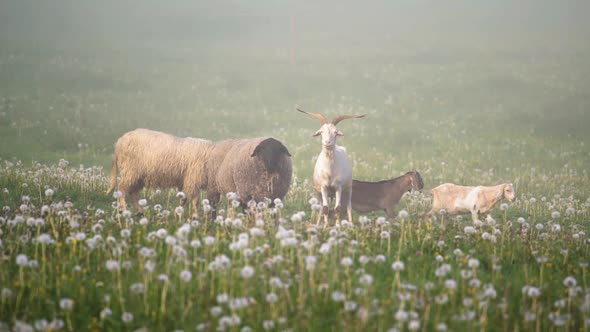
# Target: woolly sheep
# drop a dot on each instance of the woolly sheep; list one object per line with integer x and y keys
{"x": 153, "y": 159}
{"x": 253, "y": 168}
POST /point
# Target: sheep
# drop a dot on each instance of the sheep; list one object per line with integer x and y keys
{"x": 332, "y": 174}
{"x": 254, "y": 168}
{"x": 383, "y": 195}
{"x": 153, "y": 159}
{"x": 457, "y": 199}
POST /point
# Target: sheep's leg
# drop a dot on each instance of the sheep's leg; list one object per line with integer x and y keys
{"x": 195, "y": 201}
{"x": 135, "y": 200}
{"x": 214, "y": 199}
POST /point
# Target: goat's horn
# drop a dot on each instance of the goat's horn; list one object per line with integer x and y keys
{"x": 316, "y": 115}
{"x": 339, "y": 118}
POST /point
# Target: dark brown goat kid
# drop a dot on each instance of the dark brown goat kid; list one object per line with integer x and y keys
{"x": 383, "y": 195}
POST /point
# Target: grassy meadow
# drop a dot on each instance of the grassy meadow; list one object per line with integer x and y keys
{"x": 510, "y": 107}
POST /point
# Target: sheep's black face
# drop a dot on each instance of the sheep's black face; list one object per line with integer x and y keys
{"x": 270, "y": 151}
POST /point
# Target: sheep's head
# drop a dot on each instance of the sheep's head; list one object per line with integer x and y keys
{"x": 328, "y": 130}
{"x": 509, "y": 192}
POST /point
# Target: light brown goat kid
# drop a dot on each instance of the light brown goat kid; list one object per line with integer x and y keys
{"x": 457, "y": 199}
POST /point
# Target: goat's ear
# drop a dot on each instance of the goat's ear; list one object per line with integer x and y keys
{"x": 339, "y": 133}
{"x": 317, "y": 133}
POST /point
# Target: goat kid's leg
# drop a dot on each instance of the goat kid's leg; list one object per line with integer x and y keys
{"x": 474, "y": 215}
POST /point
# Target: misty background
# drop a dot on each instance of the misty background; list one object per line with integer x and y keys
{"x": 480, "y": 78}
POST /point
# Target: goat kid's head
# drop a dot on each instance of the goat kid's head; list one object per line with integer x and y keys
{"x": 328, "y": 130}
{"x": 509, "y": 192}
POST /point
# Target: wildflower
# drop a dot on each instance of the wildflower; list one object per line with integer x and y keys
{"x": 555, "y": 214}
{"x": 142, "y": 202}
{"x": 473, "y": 263}
{"x": 366, "y": 279}
{"x": 271, "y": 298}
{"x": 247, "y": 272}
{"x": 401, "y": 315}
{"x": 338, "y": 296}
{"x": 209, "y": 240}
{"x": 364, "y": 259}
{"x": 215, "y": 311}
{"x": 181, "y": 195}
{"x": 41, "y": 325}
{"x": 403, "y": 214}
{"x": 125, "y": 233}
{"x": 441, "y": 327}
{"x": 469, "y": 230}
{"x": 143, "y": 221}
{"x": 66, "y": 304}
{"x": 503, "y": 206}
{"x": 105, "y": 313}
{"x": 443, "y": 270}
{"x": 5, "y": 293}
{"x": 350, "y": 305}
{"x": 570, "y": 282}
{"x": 117, "y": 194}
{"x": 22, "y": 260}
{"x": 346, "y": 261}
{"x": 385, "y": 235}
{"x": 137, "y": 288}
{"x": 450, "y": 284}
{"x": 268, "y": 324}
{"x": 539, "y": 227}
{"x": 310, "y": 262}
{"x": 186, "y": 275}
{"x": 414, "y": 325}
{"x": 179, "y": 211}
{"x": 313, "y": 201}
{"x": 112, "y": 265}
{"x": 49, "y": 193}
{"x": 127, "y": 317}
{"x": 379, "y": 258}
{"x": 397, "y": 266}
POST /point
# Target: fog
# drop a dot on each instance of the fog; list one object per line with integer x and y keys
{"x": 76, "y": 73}
{"x": 301, "y": 24}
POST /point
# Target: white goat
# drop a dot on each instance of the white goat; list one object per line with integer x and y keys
{"x": 332, "y": 175}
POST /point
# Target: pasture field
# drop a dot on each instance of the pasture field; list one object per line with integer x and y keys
{"x": 470, "y": 114}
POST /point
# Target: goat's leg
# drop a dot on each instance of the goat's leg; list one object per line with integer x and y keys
{"x": 325, "y": 208}
{"x": 337, "y": 203}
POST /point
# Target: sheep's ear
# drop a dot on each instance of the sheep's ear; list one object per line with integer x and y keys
{"x": 339, "y": 133}
{"x": 317, "y": 133}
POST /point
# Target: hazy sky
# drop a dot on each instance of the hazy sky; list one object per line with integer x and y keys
{"x": 328, "y": 22}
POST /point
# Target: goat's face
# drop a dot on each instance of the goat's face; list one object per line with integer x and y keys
{"x": 329, "y": 132}
{"x": 509, "y": 192}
